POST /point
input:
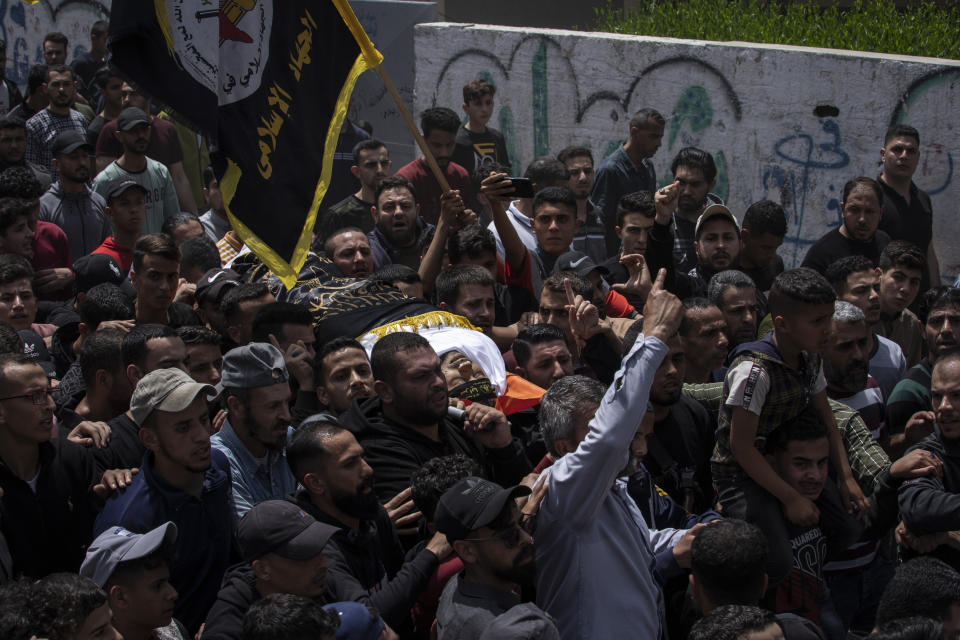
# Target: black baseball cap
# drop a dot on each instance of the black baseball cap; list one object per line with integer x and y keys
{"x": 119, "y": 185}
{"x": 578, "y": 262}
{"x": 472, "y": 503}
{"x": 69, "y": 141}
{"x": 131, "y": 117}
{"x": 35, "y": 349}
{"x": 283, "y": 528}
{"x": 213, "y": 284}
{"x": 97, "y": 268}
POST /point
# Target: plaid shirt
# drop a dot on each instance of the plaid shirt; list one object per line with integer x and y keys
{"x": 43, "y": 127}
{"x": 866, "y": 457}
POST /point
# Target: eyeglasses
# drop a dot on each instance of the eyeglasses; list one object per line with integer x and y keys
{"x": 38, "y": 398}
{"x": 510, "y": 538}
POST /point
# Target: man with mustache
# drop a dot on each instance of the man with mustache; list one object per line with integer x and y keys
{"x": 256, "y": 394}
{"x": 60, "y": 87}
{"x": 857, "y": 282}
{"x": 181, "y": 480}
{"x": 134, "y": 129}
{"x": 735, "y": 294}
{"x": 371, "y": 164}
{"x": 484, "y": 525}
{"x": 407, "y": 423}
{"x": 858, "y": 234}
{"x": 439, "y": 126}
{"x": 342, "y": 374}
{"x": 336, "y": 488}
{"x": 398, "y": 226}
{"x": 679, "y": 449}
{"x": 846, "y": 366}
{"x": 70, "y": 203}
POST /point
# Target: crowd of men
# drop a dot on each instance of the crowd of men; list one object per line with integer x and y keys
{"x": 583, "y": 403}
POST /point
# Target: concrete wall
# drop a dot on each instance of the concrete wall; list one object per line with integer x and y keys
{"x": 787, "y": 123}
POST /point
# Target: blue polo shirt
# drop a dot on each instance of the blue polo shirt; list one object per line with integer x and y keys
{"x": 205, "y": 527}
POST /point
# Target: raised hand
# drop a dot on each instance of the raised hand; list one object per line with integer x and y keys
{"x": 663, "y": 311}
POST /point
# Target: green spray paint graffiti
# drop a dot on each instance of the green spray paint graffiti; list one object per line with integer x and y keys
{"x": 694, "y": 107}
{"x": 541, "y": 114}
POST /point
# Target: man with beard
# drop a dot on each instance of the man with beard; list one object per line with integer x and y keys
{"x": 371, "y": 164}
{"x": 439, "y": 126}
{"x": 679, "y": 449}
{"x": 350, "y": 250}
{"x": 734, "y": 293}
{"x": 61, "y": 88}
{"x": 847, "y": 367}
{"x": 398, "y": 225}
{"x": 909, "y": 409}
{"x": 336, "y": 488}
{"x": 715, "y": 243}
{"x": 133, "y": 132}
{"x": 256, "y": 394}
{"x": 590, "y": 236}
{"x": 704, "y": 333}
{"x": 694, "y": 175}
{"x": 861, "y": 208}
{"x": 857, "y": 282}
{"x": 482, "y": 522}
{"x": 930, "y": 504}
{"x": 183, "y": 481}
{"x": 408, "y": 423}
{"x": 70, "y": 203}
{"x": 283, "y": 552}
{"x": 342, "y": 374}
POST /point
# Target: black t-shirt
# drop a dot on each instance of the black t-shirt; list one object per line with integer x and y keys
{"x": 911, "y": 221}
{"x": 834, "y": 245}
{"x": 678, "y": 454}
{"x": 510, "y": 303}
{"x": 349, "y": 212}
{"x": 124, "y": 451}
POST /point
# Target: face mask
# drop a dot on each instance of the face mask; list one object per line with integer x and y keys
{"x": 479, "y": 390}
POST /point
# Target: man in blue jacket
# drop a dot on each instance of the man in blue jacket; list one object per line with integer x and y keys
{"x": 182, "y": 480}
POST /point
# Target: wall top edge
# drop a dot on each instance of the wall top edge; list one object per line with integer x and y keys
{"x": 566, "y": 33}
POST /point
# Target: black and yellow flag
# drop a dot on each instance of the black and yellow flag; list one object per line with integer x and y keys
{"x": 270, "y": 81}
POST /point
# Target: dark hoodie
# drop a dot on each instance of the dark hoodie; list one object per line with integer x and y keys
{"x": 395, "y": 451}
{"x": 80, "y": 215}
{"x": 931, "y": 503}
{"x": 371, "y": 562}
{"x": 237, "y": 593}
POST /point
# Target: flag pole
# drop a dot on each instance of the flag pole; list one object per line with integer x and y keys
{"x": 375, "y": 60}
{"x": 408, "y": 119}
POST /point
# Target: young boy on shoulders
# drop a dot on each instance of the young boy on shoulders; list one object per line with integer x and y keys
{"x": 769, "y": 382}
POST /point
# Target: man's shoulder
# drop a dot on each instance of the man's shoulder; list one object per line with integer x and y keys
{"x": 348, "y": 205}
{"x": 413, "y": 170}
{"x": 157, "y": 167}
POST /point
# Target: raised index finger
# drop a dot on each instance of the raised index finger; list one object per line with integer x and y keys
{"x": 571, "y": 298}
{"x": 658, "y": 283}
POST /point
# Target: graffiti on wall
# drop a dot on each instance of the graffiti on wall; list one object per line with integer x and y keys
{"x": 758, "y": 121}
{"x": 23, "y": 26}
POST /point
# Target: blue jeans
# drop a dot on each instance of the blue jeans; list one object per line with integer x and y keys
{"x": 855, "y": 595}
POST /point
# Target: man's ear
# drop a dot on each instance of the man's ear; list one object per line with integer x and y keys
{"x": 780, "y": 323}
{"x": 564, "y": 446}
{"x": 84, "y": 330}
{"x": 444, "y": 306}
{"x": 373, "y": 213}
{"x": 384, "y": 391}
{"x": 117, "y": 597}
{"x": 355, "y": 170}
{"x": 261, "y": 569}
{"x": 235, "y": 406}
{"x": 314, "y": 483}
{"x": 618, "y": 231}
{"x": 234, "y": 333}
{"x": 103, "y": 378}
{"x": 465, "y": 551}
{"x": 323, "y": 396}
{"x": 521, "y": 371}
{"x": 694, "y": 589}
{"x": 744, "y": 236}
{"x": 133, "y": 374}
{"x": 148, "y": 438}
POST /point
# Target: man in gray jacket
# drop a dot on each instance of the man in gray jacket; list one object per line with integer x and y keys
{"x": 70, "y": 203}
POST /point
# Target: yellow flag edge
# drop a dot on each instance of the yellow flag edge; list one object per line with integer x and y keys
{"x": 160, "y": 8}
{"x": 288, "y": 271}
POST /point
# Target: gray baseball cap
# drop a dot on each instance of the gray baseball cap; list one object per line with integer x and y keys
{"x": 116, "y": 545}
{"x": 258, "y": 364}
{"x": 168, "y": 390}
